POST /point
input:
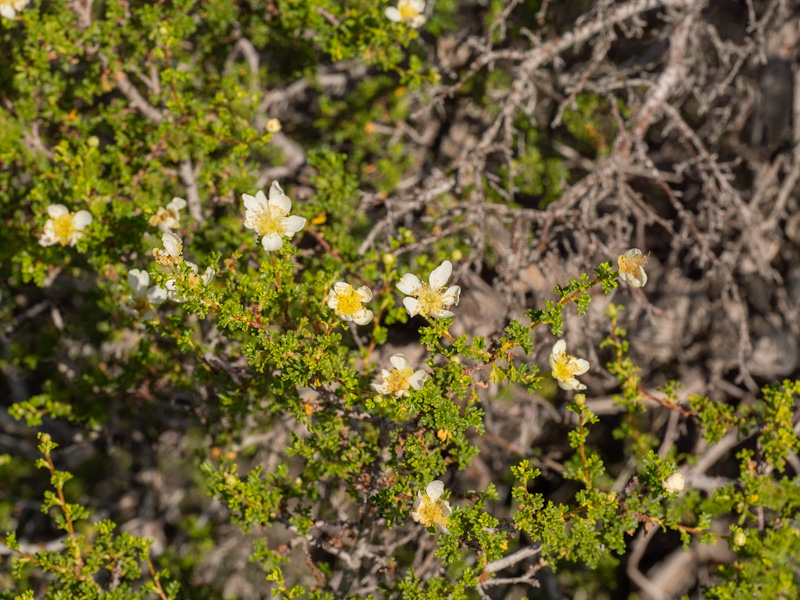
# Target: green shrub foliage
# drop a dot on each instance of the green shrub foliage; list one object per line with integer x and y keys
{"x": 197, "y": 243}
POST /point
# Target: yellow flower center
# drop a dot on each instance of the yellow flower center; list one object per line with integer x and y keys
{"x": 430, "y": 299}
{"x": 398, "y": 380}
{"x": 407, "y": 10}
{"x": 270, "y": 221}
{"x": 564, "y": 369}
{"x": 348, "y": 302}
{"x": 164, "y": 215}
{"x": 631, "y": 265}
{"x": 430, "y": 512}
{"x": 165, "y": 258}
{"x": 64, "y": 228}
{"x": 193, "y": 280}
{"x": 140, "y": 304}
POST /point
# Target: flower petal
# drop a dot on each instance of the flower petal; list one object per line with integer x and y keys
{"x": 365, "y": 293}
{"x": 156, "y": 295}
{"x": 452, "y": 295}
{"x": 412, "y": 305}
{"x": 272, "y": 242}
{"x": 333, "y": 301}
{"x": 293, "y": 224}
{"x": 275, "y": 190}
{"x": 418, "y": 379}
{"x": 363, "y": 316}
{"x": 208, "y": 275}
{"x": 57, "y": 210}
{"x": 435, "y": 489}
{"x": 582, "y": 364}
{"x": 441, "y": 274}
{"x": 642, "y": 277}
{"x": 399, "y": 361}
{"x": 279, "y": 199}
{"x": 81, "y": 219}
{"x": 391, "y": 13}
{"x": 252, "y": 202}
{"x": 138, "y": 280}
{"x": 570, "y": 384}
{"x": 177, "y": 204}
{"x": 172, "y": 243}
{"x": 340, "y": 287}
{"x": 408, "y": 284}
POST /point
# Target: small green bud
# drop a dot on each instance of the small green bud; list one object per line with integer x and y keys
{"x": 456, "y": 255}
{"x": 93, "y": 141}
{"x": 739, "y": 538}
{"x": 388, "y": 260}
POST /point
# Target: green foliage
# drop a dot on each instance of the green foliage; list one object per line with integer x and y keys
{"x": 115, "y": 113}
{"x": 98, "y": 553}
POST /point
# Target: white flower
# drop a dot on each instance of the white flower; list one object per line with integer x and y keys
{"x": 270, "y": 218}
{"x": 347, "y": 302}
{"x": 141, "y": 304}
{"x": 10, "y": 8}
{"x": 566, "y": 367}
{"x": 192, "y": 281}
{"x": 430, "y": 300}
{"x": 408, "y": 12}
{"x": 401, "y": 378}
{"x": 674, "y": 483}
{"x": 429, "y": 508}
{"x": 173, "y": 250}
{"x": 631, "y": 268}
{"x": 273, "y": 126}
{"x": 169, "y": 217}
{"x": 64, "y": 227}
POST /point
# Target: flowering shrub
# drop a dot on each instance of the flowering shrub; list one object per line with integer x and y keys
{"x": 358, "y": 400}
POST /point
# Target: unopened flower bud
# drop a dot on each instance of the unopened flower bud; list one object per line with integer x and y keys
{"x": 273, "y": 125}
{"x": 674, "y": 483}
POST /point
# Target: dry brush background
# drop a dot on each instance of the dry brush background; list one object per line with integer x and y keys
{"x": 694, "y": 158}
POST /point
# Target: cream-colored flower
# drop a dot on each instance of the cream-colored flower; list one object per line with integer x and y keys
{"x": 566, "y": 368}
{"x": 631, "y": 268}
{"x": 273, "y": 126}
{"x": 674, "y": 483}
{"x": 64, "y": 227}
{"x": 168, "y": 217}
{"x": 10, "y": 8}
{"x": 430, "y": 299}
{"x": 144, "y": 299}
{"x": 401, "y": 378}
{"x": 347, "y": 302}
{"x": 193, "y": 280}
{"x": 172, "y": 254}
{"x": 271, "y": 218}
{"x": 739, "y": 538}
{"x": 408, "y": 12}
{"x": 429, "y": 508}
